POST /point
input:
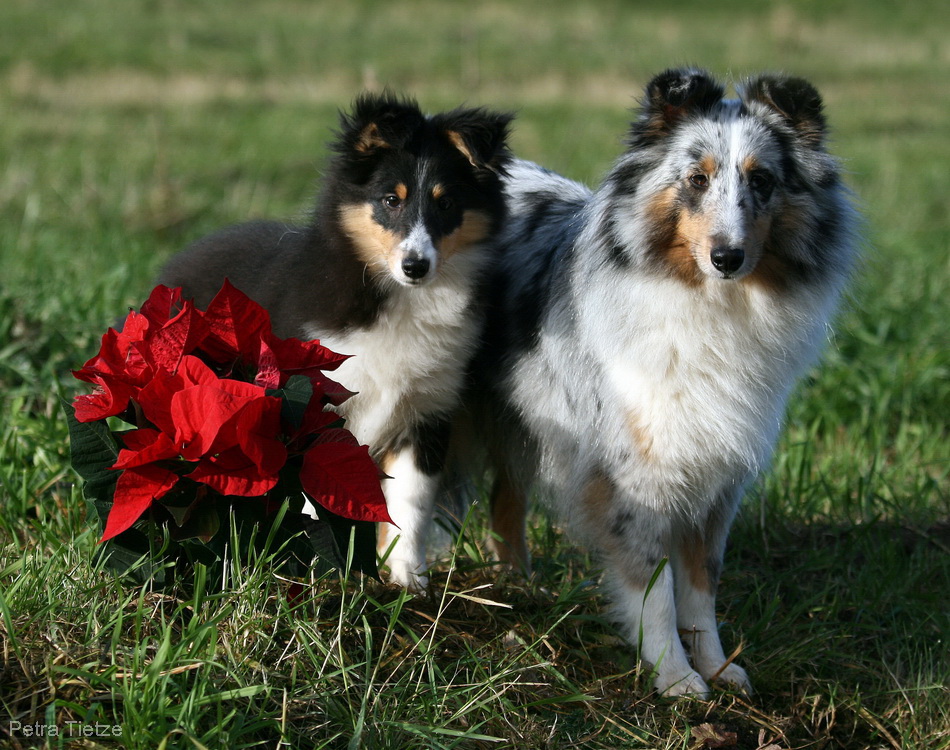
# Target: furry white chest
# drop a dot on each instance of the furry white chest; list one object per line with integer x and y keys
{"x": 408, "y": 364}
{"x": 697, "y": 380}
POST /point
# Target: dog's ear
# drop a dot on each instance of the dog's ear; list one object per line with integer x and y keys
{"x": 795, "y": 99}
{"x": 377, "y": 121}
{"x": 671, "y": 96}
{"x": 480, "y": 135}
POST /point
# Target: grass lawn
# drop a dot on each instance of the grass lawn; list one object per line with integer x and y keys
{"x": 128, "y": 129}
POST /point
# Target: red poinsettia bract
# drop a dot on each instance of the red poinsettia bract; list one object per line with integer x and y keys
{"x": 195, "y": 383}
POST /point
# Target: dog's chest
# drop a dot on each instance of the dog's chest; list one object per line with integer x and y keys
{"x": 699, "y": 386}
{"x": 407, "y": 365}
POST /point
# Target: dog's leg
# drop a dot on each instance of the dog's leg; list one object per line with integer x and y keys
{"x": 633, "y": 541}
{"x": 697, "y": 558}
{"x": 509, "y": 507}
{"x": 648, "y": 614}
{"x": 416, "y": 473}
{"x": 410, "y": 497}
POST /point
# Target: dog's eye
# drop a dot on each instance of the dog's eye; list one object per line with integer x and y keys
{"x": 761, "y": 182}
{"x": 392, "y": 201}
{"x": 444, "y": 203}
{"x": 699, "y": 180}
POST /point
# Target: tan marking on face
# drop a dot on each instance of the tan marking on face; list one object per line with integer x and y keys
{"x": 756, "y": 254}
{"x": 771, "y": 272}
{"x": 374, "y": 245}
{"x": 370, "y": 139}
{"x": 456, "y": 140}
{"x": 749, "y": 164}
{"x": 708, "y": 165}
{"x": 474, "y": 228}
{"x": 696, "y": 228}
{"x": 438, "y": 191}
{"x": 402, "y": 191}
{"x": 673, "y": 235}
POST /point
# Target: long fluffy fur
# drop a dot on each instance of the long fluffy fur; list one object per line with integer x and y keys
{"x": 645, "y": 338}
{"x": 386, "y": 271}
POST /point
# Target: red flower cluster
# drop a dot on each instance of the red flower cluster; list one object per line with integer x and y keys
{"x": 199, "y": 386}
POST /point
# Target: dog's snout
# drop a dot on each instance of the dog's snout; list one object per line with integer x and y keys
{"x": 727, "y": 259}
{"x": 415, "y": 268}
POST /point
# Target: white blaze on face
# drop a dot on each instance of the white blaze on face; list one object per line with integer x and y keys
{"x": 730, "y": 224}
{"x": 416, "y": 257}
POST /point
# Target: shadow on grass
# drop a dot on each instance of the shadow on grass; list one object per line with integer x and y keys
{"x": 843, "y": 630}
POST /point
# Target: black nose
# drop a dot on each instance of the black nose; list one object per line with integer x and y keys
{"x": 727, "y": 259}
{"x": 415, "y": 268}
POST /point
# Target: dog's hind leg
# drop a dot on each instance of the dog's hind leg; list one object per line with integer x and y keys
{"x": 697, "y": 561}
{"x": 509, "y": 508}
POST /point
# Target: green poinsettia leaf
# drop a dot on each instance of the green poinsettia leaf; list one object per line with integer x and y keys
{"x": 92, "y": 450}
{"x": 199, "y": 521}
{"x": 132, "y": 554}
{"x": 329, "y": 537}
{"x": 294, "y": 396}
{"x": 179, "y": 513}
{"x": 323, "y": 544}
{"x": 364, "y": 548}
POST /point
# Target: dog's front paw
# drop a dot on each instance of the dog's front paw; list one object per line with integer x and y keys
{"x": 409, "y": 575}
{"x": 678, "y": 685}
{"x": 733, "y": 677}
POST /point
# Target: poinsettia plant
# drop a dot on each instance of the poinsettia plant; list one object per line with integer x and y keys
{"x": 202, "y": 419}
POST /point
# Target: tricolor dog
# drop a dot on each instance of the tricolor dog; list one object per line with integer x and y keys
{"x": 385, "y": 271}
{"x": 644, "y": 339}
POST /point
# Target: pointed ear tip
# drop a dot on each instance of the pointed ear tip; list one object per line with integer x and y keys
{"x": 502, "y": 127}
{"x": 681, "y": 74}
{"x": 785, "y": 91}
{"x": 476, "y": 118}
{"x": 371, "y": 104}
{"x": 682, "y": 83}
{"x": 781, "y": 82}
